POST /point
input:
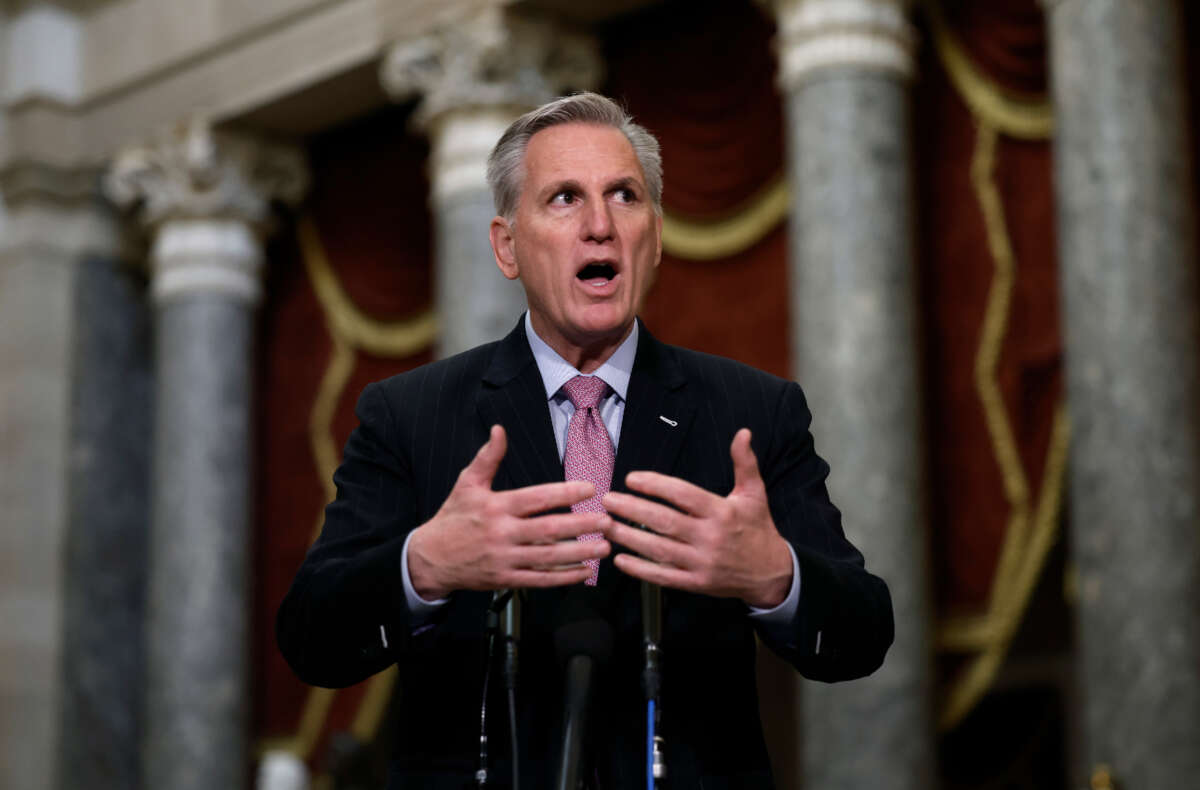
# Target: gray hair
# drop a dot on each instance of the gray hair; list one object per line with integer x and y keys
{"x": 506, "y": 164}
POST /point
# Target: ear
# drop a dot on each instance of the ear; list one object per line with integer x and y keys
{"x": 504, "y": 247}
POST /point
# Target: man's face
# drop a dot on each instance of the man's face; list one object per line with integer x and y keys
{"x": 586, "y": 240}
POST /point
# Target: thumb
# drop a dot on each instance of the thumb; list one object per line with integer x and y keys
{"x": 483, "y": 466}
{"x": 746, "y": 477}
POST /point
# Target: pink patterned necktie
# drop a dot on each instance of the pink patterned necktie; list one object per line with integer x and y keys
{"x": 589, "y": 452}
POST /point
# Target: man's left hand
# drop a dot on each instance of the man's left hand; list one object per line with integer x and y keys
{"x": 721, "y": 546}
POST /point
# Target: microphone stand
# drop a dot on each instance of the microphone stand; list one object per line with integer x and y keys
{"x": 512, "y": 631}
{"x": 656, "y": 767}
{"x": 502, "y": 600}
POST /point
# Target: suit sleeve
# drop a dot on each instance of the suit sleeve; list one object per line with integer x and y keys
{"x": 843, "y": 625}
{"x": 346, "y": 616}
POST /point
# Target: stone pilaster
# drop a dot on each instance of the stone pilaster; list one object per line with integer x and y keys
{"x": 52, "y": 231}
{"x": 1127, "y": 256}
{"x": 473, "y": 79}
{"x": 206, "y": 199}
{"x": 844, "y": 71}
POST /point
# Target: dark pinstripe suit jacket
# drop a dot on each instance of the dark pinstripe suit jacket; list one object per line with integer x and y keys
{"x": 419, "y": 429}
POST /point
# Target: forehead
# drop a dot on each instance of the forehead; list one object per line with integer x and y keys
{"x": 580, "y": 151}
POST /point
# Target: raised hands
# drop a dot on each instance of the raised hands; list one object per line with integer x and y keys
{"x": 722, "y": 546}
{"x": 482, "y": 539}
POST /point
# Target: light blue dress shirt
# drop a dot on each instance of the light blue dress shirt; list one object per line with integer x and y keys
{"x": 615, "y": 371}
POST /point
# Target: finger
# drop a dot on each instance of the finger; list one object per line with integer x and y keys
{"x": 546, "y": 496}
{"x": 559, "y": 526}
{"x": 686, "y": 496}
{"x": 745, "y": 464}
{"x": 653, "y": 547}
{"x": 661, "y": 575}
{"x": 561, "y": 555}
{"x": 483, "y": 466}
{"x": 658, "y": 517}
{"x": 552, "y": 578}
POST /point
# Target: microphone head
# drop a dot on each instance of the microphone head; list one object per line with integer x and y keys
{"x": 592, "y": 638}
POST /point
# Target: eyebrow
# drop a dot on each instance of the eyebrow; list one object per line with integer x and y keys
{"x": 627, "y": 182}
{"x": 561, "y": 186}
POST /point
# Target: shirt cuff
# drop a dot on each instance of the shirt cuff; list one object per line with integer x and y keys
{"x": 419, "y": 609}
{"x": 783, "y": 613}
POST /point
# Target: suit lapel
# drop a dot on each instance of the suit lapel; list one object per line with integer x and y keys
{"x": 658, "y": 413}
{"x": 512, "y": 395}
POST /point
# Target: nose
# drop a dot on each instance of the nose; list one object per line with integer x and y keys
{"x": 598, "y": 222}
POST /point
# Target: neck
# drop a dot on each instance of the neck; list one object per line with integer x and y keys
{"x": 584, "y": 355}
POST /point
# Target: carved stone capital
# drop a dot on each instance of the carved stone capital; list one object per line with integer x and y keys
{"x": 494, "y": 60}
{"x": 207, "y": 197}
{"x": 819, "y": 35}
{"x": 194, "y": 172}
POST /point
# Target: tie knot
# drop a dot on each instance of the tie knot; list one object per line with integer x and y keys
{"x": 585, "y": 392}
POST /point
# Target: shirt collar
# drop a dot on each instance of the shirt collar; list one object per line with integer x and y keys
{"x": 556, "y": 371}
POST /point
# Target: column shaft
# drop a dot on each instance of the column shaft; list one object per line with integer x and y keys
{"x": 107, "y": 534}
{"x": 1127, "y": 255}
{"x": 855, "y": 341}
{"x": 845, "y": 69}
{"x": 196, "y": 726}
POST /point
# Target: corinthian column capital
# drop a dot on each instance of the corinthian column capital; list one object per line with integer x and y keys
{"x": 818, "y": 35}
{"x": 193, "y": 172}
{"x": 206, "y": 196}
{"x": 494, "y": 60}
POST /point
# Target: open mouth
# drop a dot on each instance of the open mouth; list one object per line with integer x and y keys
{"x": 597, "y": 271}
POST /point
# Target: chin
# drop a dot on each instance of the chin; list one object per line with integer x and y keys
{"x": 604, "y": 325}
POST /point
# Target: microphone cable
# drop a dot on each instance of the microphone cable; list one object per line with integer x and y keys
{"x": 650, "y": 712}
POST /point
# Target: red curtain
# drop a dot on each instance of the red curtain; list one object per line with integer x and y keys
{"x": 369, "y": 206}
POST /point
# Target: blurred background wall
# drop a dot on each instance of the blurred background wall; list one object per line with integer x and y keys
{"x": 966, "y": 227}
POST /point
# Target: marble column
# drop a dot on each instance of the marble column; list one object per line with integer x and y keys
{"x": 472, "y": 80}
{"x": 206, "y": 199}
{"x": 844, "y": 70}
{"x": 107, "y": 534}
{"x": 1127, "y": 257}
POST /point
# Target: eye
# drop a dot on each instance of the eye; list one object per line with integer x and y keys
{"x": 625, "y": 195}
{"x": 566, "y": 197}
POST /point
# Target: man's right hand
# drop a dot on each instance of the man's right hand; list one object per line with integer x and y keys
{"x": 482, "y": 539}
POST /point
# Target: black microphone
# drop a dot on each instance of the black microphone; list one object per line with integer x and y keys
{"x": 512, "y": 634}
{"x": 652, "y": 675}
{"x": 585, "y": 645}
{"x": 651, "y": 639}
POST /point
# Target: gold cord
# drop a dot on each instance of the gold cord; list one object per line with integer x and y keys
{"x": 350, "y": 331}
{"x": 739, "y": 230}
{"x": 1020, "y": 115}
{"x": 1029, "y": 535}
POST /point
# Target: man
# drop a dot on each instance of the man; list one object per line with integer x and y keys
{"x": 453, "y": 486}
